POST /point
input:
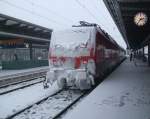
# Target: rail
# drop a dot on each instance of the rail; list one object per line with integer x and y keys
{"x": 21, "y": 77}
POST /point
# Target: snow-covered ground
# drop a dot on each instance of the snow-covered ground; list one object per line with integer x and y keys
{"x": 125, "y": 94}
{"x": 17, "y": 100}
{"x": 14, "y": 72}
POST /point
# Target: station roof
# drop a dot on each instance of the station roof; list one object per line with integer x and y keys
{"x": 123, "y": 13}
{"x": 11, "y": 28}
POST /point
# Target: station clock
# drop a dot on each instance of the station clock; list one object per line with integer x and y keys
{"x": 140, "y": 19}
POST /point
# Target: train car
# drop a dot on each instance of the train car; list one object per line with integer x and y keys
{"x": 80, "y": 56}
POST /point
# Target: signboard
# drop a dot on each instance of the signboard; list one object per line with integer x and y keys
{"x": 12, "y": 43}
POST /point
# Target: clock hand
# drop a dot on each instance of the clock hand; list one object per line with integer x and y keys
{"x": 140, "y": 20}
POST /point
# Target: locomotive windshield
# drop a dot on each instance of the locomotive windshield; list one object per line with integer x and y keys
{"x": 70, "y": 43}
{"x": 71, "y": 48}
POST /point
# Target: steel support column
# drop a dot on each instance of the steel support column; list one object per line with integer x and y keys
{"x": 149, "y": 54}
{"x": 31, "y": 52}
{"x": 143, "y": 56}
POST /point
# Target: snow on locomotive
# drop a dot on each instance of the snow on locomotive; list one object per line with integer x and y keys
{"x": 79, "y": 55}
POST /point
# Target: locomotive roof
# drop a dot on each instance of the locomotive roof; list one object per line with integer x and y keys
{"x": 108, "y": 37}
{"x": 88, "y": 29}
{"x": 73, "y": 36}
{"x": 76, "y": 29}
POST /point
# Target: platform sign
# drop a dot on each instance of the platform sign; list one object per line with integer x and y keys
{"x": 12, "y": 43}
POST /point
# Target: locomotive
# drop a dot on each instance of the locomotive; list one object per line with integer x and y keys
{"x": 80, "y": 56}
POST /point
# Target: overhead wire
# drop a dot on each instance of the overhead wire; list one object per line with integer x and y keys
{"x": 51, "y": 11}
{"x": 31, "y": 12}
{"x": 57, "y": 14}
{"x": 105, "y": 19}
{"x": 114, "y": 28}
{"x": 84, "y": 7}
{"x": 97, "y": 9}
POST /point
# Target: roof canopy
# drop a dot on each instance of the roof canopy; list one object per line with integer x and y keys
{"x": 15, "y": 28}
{"x": 123, "y": 13}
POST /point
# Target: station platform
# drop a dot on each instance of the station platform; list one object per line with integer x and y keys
{"x": 5, "y": 73}
{"x": 125, "y": 94}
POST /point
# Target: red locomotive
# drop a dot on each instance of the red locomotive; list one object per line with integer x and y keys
{"x": 79, "y": 55}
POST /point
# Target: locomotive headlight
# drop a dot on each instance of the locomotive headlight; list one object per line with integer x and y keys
{"x": 85, "y": 62}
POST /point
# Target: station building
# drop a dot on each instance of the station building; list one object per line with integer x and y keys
{"x": 22, "y": 44}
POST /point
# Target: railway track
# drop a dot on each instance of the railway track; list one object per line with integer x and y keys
{"x": 50, "y": 107}
{"x": 21, "y": 77}
{"x": 18, "y": 86}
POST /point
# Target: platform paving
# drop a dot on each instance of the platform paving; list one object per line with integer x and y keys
{"x": 125, "y": 94}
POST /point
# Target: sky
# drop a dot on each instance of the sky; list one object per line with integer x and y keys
{"x": 62, "y": 14}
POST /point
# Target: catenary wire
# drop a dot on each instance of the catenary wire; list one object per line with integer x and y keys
{"x": 31, "y": 12}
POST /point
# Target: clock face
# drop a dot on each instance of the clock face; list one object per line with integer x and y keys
{"x": 140, "y": 19}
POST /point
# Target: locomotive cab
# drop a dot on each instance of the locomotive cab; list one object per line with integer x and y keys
{"x": 72, "y": 58}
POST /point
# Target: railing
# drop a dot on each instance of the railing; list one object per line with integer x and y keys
{"x": 23, "y": 64}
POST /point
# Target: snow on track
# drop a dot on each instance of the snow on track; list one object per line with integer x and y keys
{"x": 14, "y": 72}
{"x": 15, "y": 101}
{"x": 52, "y": 106}
{"x": 19, "y": 85}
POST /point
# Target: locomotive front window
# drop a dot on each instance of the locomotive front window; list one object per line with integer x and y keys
{"x": 70, "y": 43}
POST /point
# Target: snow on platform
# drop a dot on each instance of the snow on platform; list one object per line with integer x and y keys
{"x": 14, "y": 72}
{"x": 17, "y": 100}
{"x": 125, "y": 94}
